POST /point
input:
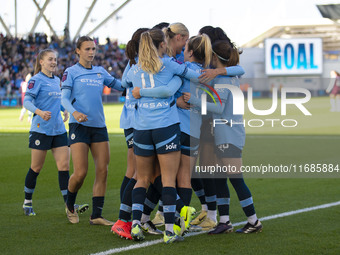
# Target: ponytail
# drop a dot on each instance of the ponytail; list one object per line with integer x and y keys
{"x": 148, "y": 58}
{"x": 168, "y": 36}
{"x": 201, "y": 48}
{"x": 234, "y": 57}
{"x": 131, "y": 50}
{"x": 207, "y": 50}
{"x": 225, "y": 53}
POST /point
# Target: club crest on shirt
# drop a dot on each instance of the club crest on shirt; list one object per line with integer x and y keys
{"x": 177, "y": 61}
{"x": 99, "y": 75}
{"x": 31, "y": 84}
{"x": 64, "y": 77}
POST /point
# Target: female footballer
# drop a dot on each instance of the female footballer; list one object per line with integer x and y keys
{"x": 47, "y": 130}
{"x": 82, "y": 86}
{"x": 229, "y": 142}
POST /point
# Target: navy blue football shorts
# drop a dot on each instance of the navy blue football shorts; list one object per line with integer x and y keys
{"x": 82, "y": 134}
{"x": 129, "y": 137}
{"x": 189, "y": 145}
{"x": 228, "y": 150}
{"x": 44, "y": 142}
{"x": 157, "y": 141}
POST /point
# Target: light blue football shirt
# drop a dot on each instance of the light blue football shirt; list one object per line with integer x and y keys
{"x": 86, "y": 85}
{"x": 46, "y": 94}
{"x": 234, "y": 132}
{"x": 127, "y": 117}
{"x": 155, "y": 113}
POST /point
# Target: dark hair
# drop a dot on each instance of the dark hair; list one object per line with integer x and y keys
{"x": 82, "y": 39}
{"x": 132, "y": 46}
{"x": 161, "y": 25}
{"x": 215, "y": 34}
{"x": 228, "y": 55}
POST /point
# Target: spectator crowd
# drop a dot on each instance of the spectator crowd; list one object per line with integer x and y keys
{"x": 17, "y": 56}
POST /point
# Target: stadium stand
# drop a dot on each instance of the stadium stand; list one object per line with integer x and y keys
{"x": 17, "y": 57}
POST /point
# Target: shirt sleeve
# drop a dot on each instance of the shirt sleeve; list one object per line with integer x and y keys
{"x": 127, "y": 80}
{"x": 65, "y": 100}
{"x": 235, "y": 70}
{"x": 182, "y": 70}
{"x": 33, "y": 88}
{"x": 111, "y": 81}
{"x": 28, "y": 103}
{"x": 126, "y": 70}
{"x": 163, "y": 91}
{"x": 67, "y": 80}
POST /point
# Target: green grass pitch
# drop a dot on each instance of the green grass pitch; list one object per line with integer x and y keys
{"x": 316, "y": 140}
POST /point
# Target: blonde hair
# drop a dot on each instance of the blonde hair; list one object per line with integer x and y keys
{"x": 171, "y": 31}
{"x": 41, "y": 55}
{"x": 201, "y": 48}
{"x": 148, "y": 58}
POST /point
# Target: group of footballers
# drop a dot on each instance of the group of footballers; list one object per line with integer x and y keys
{"x": 165, "y": 133}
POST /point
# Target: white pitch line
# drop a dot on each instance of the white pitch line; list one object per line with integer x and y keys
{"x": 275, "y": 216}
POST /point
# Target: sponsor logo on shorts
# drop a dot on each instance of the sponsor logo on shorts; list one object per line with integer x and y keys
{"x": 223, "y": 147}
{"x": 37, "y": 142}
{"x": 171, "y": 146}
{"x": 130, "y": 142}
{"x": 73, "y": 136}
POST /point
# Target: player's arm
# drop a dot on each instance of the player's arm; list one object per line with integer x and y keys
{"x": 65, "y": 113}
{"x": 111, "y": 81}
{"x": 66, "y": 91}
{"x": 116, "y": 84}
{"x": 66, "y": 103}
{"x": 181, "y": 103}
{"x": 211, "y": 107}
{"x": 126, "y": 70}
{"x": 28, "y": 104}
{"x": 209, "y": 74}
{"x": 159, "y": 92}
{"x": 127, "y": 80}
{"x": 182, "y": 70}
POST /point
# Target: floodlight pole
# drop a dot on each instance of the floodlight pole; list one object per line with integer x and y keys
{"x": 16, "y": 19}
{"x": 68, "y": 13}
{"x": 8, "y": 33}
{"x": 37, "y": 19}
{"x": 108, "y": 17}
{"x": 85, "y": 19}
{"x": 48, "y": 23}
{"x": 67, "y": 26}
